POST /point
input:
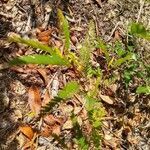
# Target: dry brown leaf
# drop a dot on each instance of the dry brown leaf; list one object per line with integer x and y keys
{"x": 46, "y": 130}
{"x": 43, "y": 74}
{"x": 67, "y": 125}
{"x": 56, "y": 129}
{"x": 51, "y": 125}
{"x": 117, "y": 36}
{"x": 113, "y": 87}
{"x": 74, "y": 39}
{"x": 44, "y": 36}
{"x": 27, "y": 131}
{"x": 50, "y": 120}
{"x": 46, "y": 98}
{"x": 57, "y": 43}
{"x": 107, "y": 99}
{"x": 34, "y": 99}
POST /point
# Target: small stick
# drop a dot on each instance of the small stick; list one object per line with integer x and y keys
{"x": 140, "y": 10}
{"x": 113, "y": 31}
{"x": 49, "y": 83}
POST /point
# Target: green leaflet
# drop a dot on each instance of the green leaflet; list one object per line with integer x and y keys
{"x": 90, "y": 103}
{"x": 120, "y": 61}
{"x": 40, "y": 59}
{"x": 139, "y": 30}
{"x": 143, "y": 90}
{"x": 103, "y": 47}
{"x": 51, "y": 105}
{"x": 64, "y": 26}
{"x": 32, "y": 43}
{"x": 69, "y": 90}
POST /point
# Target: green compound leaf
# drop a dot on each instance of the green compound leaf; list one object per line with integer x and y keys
{"x": 69, "y": 90}
{"x": 51, "y": 105}
{"x": 120, "y": 61}
{"x": 33, "y": 43}
{"x": 40, "y": 59}
{"x": 143, "y": 90}
{"x": 64, "y": 27}
{"x": 139, "y": 30}
{"x": 88, "y": 45}
{"x": 103, "y": 47}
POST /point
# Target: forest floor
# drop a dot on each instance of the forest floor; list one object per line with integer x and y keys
{"x": 125, "y": 114}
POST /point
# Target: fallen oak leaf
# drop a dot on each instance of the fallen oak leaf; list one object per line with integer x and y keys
{"x": 106, "y": 99}
{"x": 34, "y": 100}
{"x": 27, "y": 131}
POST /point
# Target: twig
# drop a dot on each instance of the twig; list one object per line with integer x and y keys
{"x": 113, "y": 31}
{"x": 49, "y": 83}
{"x": 108, "y": 118}
{"x": 99, "y": 2}
{"x": 112, "y": 132}
{"x": 140, "y": 10}
{"x": 6, "y": 15}
{"x": 83, "y": 104}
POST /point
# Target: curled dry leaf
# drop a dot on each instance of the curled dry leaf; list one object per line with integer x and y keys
{"x": 50, "y": 120}
{"x": 107, "y": 99}
{"x": 27, "y": 131}
{"x": 43, "y": 74}
{"x": 34, "y": 99}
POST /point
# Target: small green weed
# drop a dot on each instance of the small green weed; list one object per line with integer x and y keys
{"x": 143, "y": 90}
{"x": 138, "y": 30}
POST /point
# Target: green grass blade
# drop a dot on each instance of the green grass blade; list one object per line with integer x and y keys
{"x": 69, "y": 90}
{"x": 33, "y": 43}
{"x": 64, "y": 27}
{"x": 40, "y": 59}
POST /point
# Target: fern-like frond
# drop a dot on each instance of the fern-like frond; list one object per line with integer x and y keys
{"x": 88, "y": 45}
{"x": 139, "y": 30}
{"x": 33, "y": 43}
{"x": 41, "y": 60}
{"x": 67, "y": 92}
{"x": 48, "y": 108}
{"x": 64, "y": 27}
